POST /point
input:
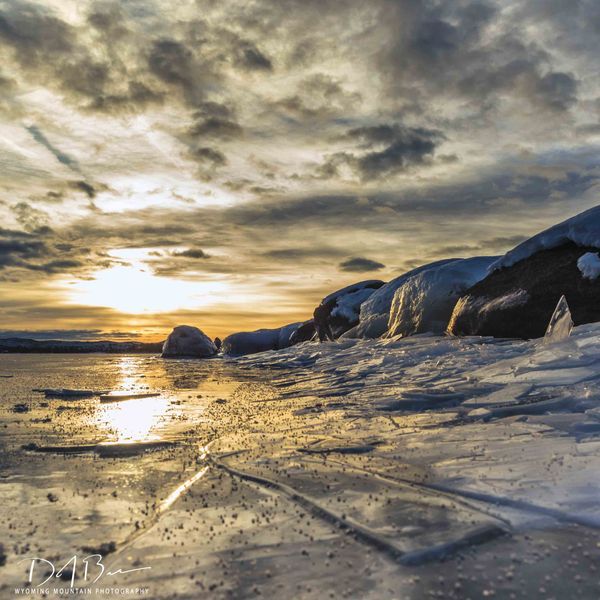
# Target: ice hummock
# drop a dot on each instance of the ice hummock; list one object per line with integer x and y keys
{"x": 561, "y": 323}
{"x": 589, "y": 265}
{"x": 582, "y": 230}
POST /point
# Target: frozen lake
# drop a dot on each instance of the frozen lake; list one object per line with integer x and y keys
{"x": 426, "y": 467}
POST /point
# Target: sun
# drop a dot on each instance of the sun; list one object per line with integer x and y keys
{"x": 134, "y": 290}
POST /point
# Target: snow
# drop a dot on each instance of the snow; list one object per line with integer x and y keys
{"x": 186, "y": 340}
{"x": 582, "y": 229}
{"x": 509, "y": 421}
{"x": 351, "y": 289}
{"x": 374, "y": 312}
{"x": 424, "y": 302}
{"x": 561, "y": 323}
{"x": 589, "y": 265}
{"x": 348, "y": 305}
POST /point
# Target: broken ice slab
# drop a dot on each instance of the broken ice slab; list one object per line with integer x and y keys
{"x": 560, "y": 325}
{"x": 67, "y": 393}
{"x": 118, "y": 396}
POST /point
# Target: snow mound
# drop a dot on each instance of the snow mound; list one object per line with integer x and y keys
{"x": 261, "y": 340}
{"x": 424, "y": 301}
{"x": 351, "y": 289}
{"x": 189, "y": 341}
{"x": 348, "y": 306}
{"x": 589, "y": 265}
{"x": 374, "y": 312}
{"x": 582, "y": 230}
{"x": 339, "y": 311}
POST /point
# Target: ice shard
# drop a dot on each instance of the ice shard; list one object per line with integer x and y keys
{"x": 560, "y": 325}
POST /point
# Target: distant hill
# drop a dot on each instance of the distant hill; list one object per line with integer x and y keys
{"x": 24, "y": 345}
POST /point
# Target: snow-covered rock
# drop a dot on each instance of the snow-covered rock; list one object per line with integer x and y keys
{"x": 424, "y": 301}
{"x": 581, "y": 230}
{"x": 339, "y": 311}
{"x": 517, "y": 301}
{"x": 188, "y": 341}
{"x": 261, "y": 340}
{"x": 375, "y": 311}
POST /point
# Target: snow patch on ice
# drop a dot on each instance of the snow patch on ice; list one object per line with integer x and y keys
{"x": 589, "y": 265}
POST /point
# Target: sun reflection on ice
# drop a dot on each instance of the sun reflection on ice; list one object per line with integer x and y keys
{"x": 136, "y": 420}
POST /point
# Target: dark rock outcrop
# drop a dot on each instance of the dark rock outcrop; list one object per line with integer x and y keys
{"x": 517, "y": 301}
{"x": 304, "y": 333}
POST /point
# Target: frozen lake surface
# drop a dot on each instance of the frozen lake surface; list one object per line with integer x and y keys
{"x": 399, "y": 468}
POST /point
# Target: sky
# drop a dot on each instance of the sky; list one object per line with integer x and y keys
{"x": 227, "y": 163}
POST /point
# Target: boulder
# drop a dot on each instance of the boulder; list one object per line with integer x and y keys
{"x": 188, "y": 341}
{"x": 261, "y": 340}
{"x": 517, "y": 301}
{"x": 424, "y": 302}
{"x": 339, "y": 312}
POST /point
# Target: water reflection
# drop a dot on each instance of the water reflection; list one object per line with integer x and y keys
{"x": 134, "y": 420}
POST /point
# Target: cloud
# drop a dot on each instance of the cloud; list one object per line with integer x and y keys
{"x": 38, "y": 135}
{"x": 359, "y": 264}
{"x": 248, "y": 56}
{"x": 266, "y": 135}
{"x": 192, "y": 253}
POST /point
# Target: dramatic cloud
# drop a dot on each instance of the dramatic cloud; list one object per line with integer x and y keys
{"x": 359, "y": 265}
{"x": 261, "y": 152}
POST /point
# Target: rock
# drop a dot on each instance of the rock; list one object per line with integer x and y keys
{"x": 518, "y": 300}
{"x": 218, "y": 343}
{"x": 261, "y": 340}
{"x": 424, "y": 302}
{"x": 339, "y": 312}
{"x": 187, "y": 341}
{"x": 304, "y": 333}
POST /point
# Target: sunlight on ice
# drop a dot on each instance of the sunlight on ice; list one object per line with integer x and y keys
{"x": 561, "y": 323}
{"x": 133, "y": 420}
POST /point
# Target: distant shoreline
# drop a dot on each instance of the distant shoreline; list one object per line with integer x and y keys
{"x": 30, "y": 346}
